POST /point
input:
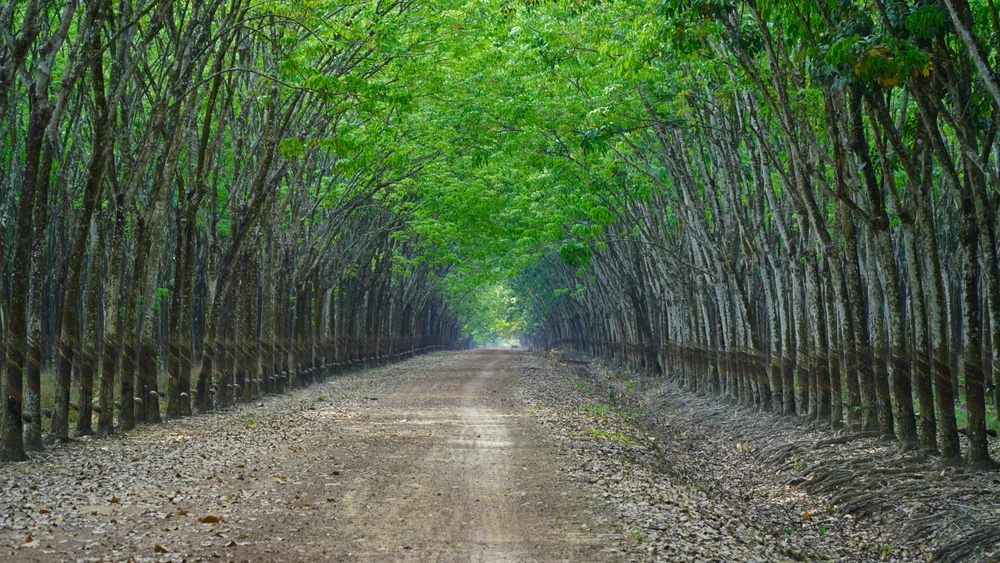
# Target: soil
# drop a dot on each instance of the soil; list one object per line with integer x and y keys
{"x": 471, "y": 456}
{"x": 828, "y": 495}
{"x": 428, "y": 460}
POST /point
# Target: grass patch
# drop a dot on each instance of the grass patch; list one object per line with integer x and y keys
{"x": 599, "y": 433}
{"x": 962, "y": 417}
{"x": 583, "y": 387}
{"x": 631, "y": 415}
{"x": 599, "y": 410}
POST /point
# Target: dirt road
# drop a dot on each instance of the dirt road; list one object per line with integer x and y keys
{"x": 429, "y": 460}
{"x": 463, "y": 476}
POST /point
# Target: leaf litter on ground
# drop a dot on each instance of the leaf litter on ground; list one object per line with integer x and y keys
{"x": 697, "y": 478}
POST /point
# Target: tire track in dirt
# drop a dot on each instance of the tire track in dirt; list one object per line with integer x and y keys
{"x": 431, "y": 459}
{"x": 477, "y": 484}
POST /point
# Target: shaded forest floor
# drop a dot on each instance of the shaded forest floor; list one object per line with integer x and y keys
{"x": 837, "y": 496}
{"x": 488, "y": 456}
{"x": 429, "y": 459}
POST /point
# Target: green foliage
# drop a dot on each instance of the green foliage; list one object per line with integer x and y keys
{"x": 291, "y": 148}
{"x": 617, "y": 435}
{"x": 599, "y": 410}
{"x": 492, "y": 313}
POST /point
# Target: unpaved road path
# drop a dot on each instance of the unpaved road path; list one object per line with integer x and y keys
{"x": 462, "y": 475}
{"x": 429, "y": 460}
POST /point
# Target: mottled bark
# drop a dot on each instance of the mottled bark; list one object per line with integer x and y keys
{"x": 803, "y": 360}
{"x": 111, "y": 347}
{"x": 69, "y": 324}
{"x": 880, "y": 367}
{"x": 834, "y": 316}
{"x": 944, "y": 393}
{"x": 11, "y": 442}
{"x": 921, "y": 344}
{"x": 819, "y": 360}
{"x": 860, "y": 378}
{"x": 91, "y": 331}
{"x": 972, "y": 353}
{"x": 147, "y": 349}
{"x": 33, "y": 367}
{"x": 902, "y": 383}
{"x": 179, "y": 356}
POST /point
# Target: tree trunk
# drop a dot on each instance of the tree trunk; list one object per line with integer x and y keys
{"x": 902, "y": 384}
{"x": 12, "y": 444}
{"x": 880, "y": 369}
{"x": 91, "y": 332}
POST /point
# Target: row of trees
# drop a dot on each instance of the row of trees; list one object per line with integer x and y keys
{"x": 211, "y": 189}
{"x": 794, "y": 206}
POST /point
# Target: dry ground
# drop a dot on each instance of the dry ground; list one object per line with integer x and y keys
{"x": 828, "y": 495}
{"x": 428, "y": 460}
{"x": 460, "y": 456}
